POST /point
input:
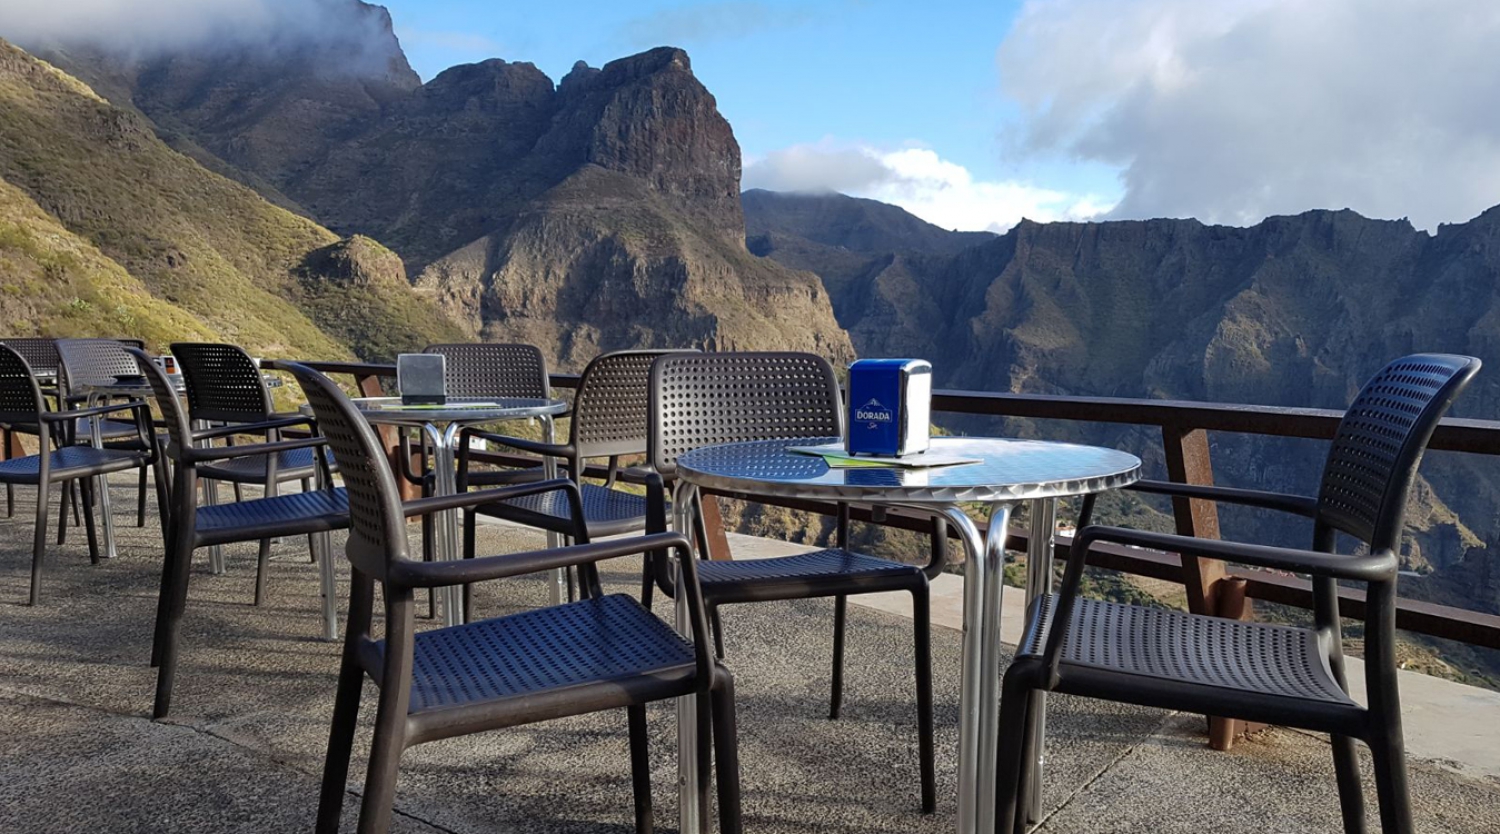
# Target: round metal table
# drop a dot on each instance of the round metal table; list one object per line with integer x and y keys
{"x": 441, "y": 424}
{"x": 1008, "y": 472}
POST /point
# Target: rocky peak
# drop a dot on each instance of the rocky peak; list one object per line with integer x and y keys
{"x": 648, "y": 116}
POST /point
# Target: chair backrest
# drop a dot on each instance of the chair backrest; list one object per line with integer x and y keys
{"x": 39, "y": 352}
{"x": 20, "y": 398}
{"x": 173, "y": 415}
{"x": 701, "y": 399}
{"x": 91, "y": 362}
{"x": 611, "y": 411}
{"x": 494, "y": 370}
{"x": 1379, "y": 443}
{"x": 377, "y": 531}
{"x": 222, "y": 383}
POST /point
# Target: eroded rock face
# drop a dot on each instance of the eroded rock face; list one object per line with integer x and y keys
{"x": 602, "y": 212}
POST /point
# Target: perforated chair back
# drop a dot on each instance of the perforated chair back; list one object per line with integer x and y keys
{"x": 222, "y": 383}
{"x": 91, "y": 362}
{"x": 377, "y": 531}
{"x": 174, "y": 417}
{"x": 20, "y": 397}
{"x": 1379, "y": 444}
{"x": 494, "y": 370}
{"x": 709, "y": 398}
{"x": 611, "y": 411}
{"x": 40, "y": 353}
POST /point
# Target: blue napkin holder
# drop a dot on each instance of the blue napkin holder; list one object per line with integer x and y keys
{"x": 890, "y": 407}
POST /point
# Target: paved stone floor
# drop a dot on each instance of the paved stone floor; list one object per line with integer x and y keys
{"x": 243, "y": 749}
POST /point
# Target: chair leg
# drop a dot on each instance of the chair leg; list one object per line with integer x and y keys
{"x": 169, "y": 631}
{"x": 312, "y": 556}
{"x": 69, "y": 499}
{"x": 705, "y": 716}
{"x": 717, "y": 627}
{"x": 7, "y": 438}
{"x": 640, "y": 768}
{"x": 922, "y": 623}
{"x": 726, "y": 753}
{"x": 1389, "y": 754}
{"x": 1351, "y": 797}
{"x": 140, "y": 499}
{"x": 262, "y": 559}
{"x": 471, "y": 523}
{"x": 39, "y": 542}
{"x": 840, "y": 617}
{"x": 390, "y": 720}
{"x": 91, "y": 534}
{"x": 340, "y": 743}
{"x": 1015, "y": 701}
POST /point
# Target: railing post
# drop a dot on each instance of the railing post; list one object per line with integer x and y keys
{"x": 369, "y": 386}
{"x": 1209, "y": 591}
{"x": 1188, "y": 463}
{"x": 713, "y": 529}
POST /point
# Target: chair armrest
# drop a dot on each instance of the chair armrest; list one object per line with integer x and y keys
{"x": 536, "y": 447}
{"x": 1296, "y": 504}
{"x": 416, "y": 574}
{"x": 73, "y": 414}
{"x": 439, "y": 503}
{"x": 217, "y": 453}
{"x": 1372, "y": 567}
{"x": 252, "y": 428}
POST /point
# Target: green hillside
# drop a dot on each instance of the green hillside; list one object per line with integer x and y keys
{"x": 209, "y": 257}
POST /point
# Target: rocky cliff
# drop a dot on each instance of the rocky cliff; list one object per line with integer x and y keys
{"x": 601, "y": 212}
{"x": 1294, "y": 311}
{"x": 105, "y": 230}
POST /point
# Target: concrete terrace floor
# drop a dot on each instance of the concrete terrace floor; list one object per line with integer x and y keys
{"x": 243, "y": 749}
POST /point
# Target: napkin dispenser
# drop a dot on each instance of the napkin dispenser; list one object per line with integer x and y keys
{"x": 890, "y": 406}
{"x": 421, "y": 378}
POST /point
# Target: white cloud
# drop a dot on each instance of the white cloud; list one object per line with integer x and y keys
{"x": 918, "y": 180}
{"x": 1231, "y": 110}
{"x": 139, "y": 27}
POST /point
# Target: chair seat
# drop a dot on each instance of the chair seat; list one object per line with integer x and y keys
{"x": 611, "y": 643}
{"x": 293, "y": 465}
{"x": 71, "y": 462}
{"x": 818, "y": 573}
{"x": 1191, "y": 649}
{"x": 608, "y": 512}
{"x": 282, "y": 515}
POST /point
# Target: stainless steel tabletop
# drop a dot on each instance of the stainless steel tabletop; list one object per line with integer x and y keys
{"x": 1008, "y": 470}
{"x": 389, "y": 411}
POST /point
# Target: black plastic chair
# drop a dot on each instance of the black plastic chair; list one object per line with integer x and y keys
{"x": 489, "y": 369}
{"x": 84, "y": 362}
{"x": 609, "y": 420}
{"x": 21, "y": 403}
{"x": 705, "y": 399}
{"x": 1258, "y": 672}
{"x": 224, "y": 387}
{"x": 189, "y": 526}
{"x": 40, "y": 354}
{"x": 604, "y": 652}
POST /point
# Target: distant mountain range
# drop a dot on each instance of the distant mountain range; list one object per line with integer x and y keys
{"x": 304, "y": 208}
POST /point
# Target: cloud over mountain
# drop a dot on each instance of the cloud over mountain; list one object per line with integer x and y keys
{"x": 143, "y": 28}
{"x": 1232, "y": 110}
{"x": 937, "y": 190}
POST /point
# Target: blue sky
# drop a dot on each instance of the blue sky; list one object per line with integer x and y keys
{"x": 846, "y": 77}
{"x": 975, "y": 113}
